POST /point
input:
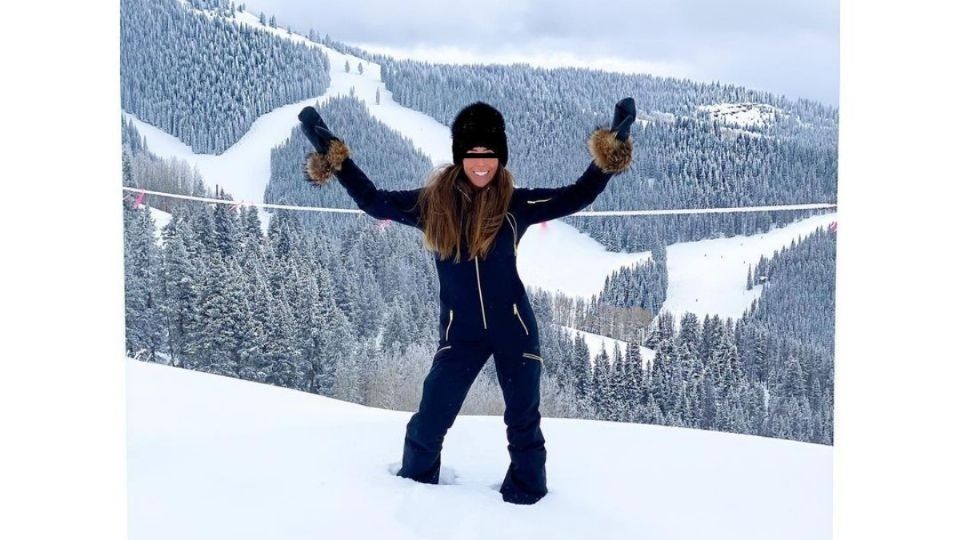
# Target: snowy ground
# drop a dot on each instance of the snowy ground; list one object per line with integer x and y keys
{"x": 215, "y": 457}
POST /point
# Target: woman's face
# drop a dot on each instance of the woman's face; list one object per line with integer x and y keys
{"x": 480, "y": 171}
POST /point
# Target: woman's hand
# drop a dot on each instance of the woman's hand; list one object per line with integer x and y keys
{"x": 331, "y": 152}
{"x": 623, "y": 117}
{"x": 612, "y": 149}
{"x": 316, "y": 130}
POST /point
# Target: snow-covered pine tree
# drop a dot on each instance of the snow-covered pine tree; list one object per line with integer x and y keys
{"x": 143, "y": 300}
{"x": 181, "y": 286}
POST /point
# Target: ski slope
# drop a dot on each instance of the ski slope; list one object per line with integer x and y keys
{"x": 555, "y": 256}
{"x": 710, "y": 276}
{"x": 705, "y": 277}
{"x": 216, "y": 457}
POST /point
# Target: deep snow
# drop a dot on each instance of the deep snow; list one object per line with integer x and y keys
{"x": 216, "y": 457}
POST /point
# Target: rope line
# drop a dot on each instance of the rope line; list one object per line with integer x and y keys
{"x": 673, "y": 211}
{"x": 811, "y": 206}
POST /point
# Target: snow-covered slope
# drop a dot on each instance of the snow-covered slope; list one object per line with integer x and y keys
{"x": 704, "y": 277}
{"x": 595, "y": 342}
{"x": 215, "y": 457}
{"x": 710, "y": 276}
{"x": 742, "y": 114}
{"x": 556, "y": 256}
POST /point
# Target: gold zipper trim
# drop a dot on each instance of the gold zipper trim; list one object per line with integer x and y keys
{"x": 531, "y": 355}
{"x": 449, "y": 322}
{"x": 511, "y": 221}
{"x": 517, "y": 313}
{"x": 483, "y": 311}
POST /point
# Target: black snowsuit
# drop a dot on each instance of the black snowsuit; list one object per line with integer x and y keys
{"x": 484, "y": 310}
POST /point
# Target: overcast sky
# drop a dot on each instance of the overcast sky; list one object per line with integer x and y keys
{"x": 786, "y": 47}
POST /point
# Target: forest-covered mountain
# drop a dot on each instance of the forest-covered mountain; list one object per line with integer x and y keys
{"x": 203, "y": 79}
{"x": 687, "y": 154}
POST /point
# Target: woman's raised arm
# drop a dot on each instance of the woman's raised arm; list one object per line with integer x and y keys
{"x": 534, "y": 205}
{"x": 333, "y": 158}
{"x": 611, "y": 155}
{"x": 400, "y": 206}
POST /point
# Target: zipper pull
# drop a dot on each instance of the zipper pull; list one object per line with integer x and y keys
{"x": 519, "y": 318}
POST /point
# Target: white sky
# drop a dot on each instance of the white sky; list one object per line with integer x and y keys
{"x": 786, "y": 47}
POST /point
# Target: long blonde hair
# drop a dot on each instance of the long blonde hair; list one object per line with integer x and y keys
{"x": 449, "y": 202}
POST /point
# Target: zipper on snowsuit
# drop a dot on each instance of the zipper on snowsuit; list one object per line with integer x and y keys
{"x": 531, "y": 355}
{"x": 483, "y": 311}
{"x": 511, "y": 220}
{"x": 517, "y": 313}
{"x": 449, "y": 322}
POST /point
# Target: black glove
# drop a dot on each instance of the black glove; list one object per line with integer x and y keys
{"x": 623, "y": 117}
{"x": 316, "y": 130}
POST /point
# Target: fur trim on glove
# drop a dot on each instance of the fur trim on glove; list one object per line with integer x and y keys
{"x": 610, "y": 153}
{"x": 321, "y": 167}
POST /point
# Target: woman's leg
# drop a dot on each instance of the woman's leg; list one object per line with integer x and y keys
{"x": 444, "y": 390}
{"x": 526, "y": 478}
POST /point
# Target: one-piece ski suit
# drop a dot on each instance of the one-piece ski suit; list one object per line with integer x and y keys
{"x": 484, "y": 311}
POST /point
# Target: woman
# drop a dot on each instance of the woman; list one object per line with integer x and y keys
{"x": 473, "y": 217}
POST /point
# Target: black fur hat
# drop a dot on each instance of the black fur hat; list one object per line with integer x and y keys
{"x": 479, "y": 124}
